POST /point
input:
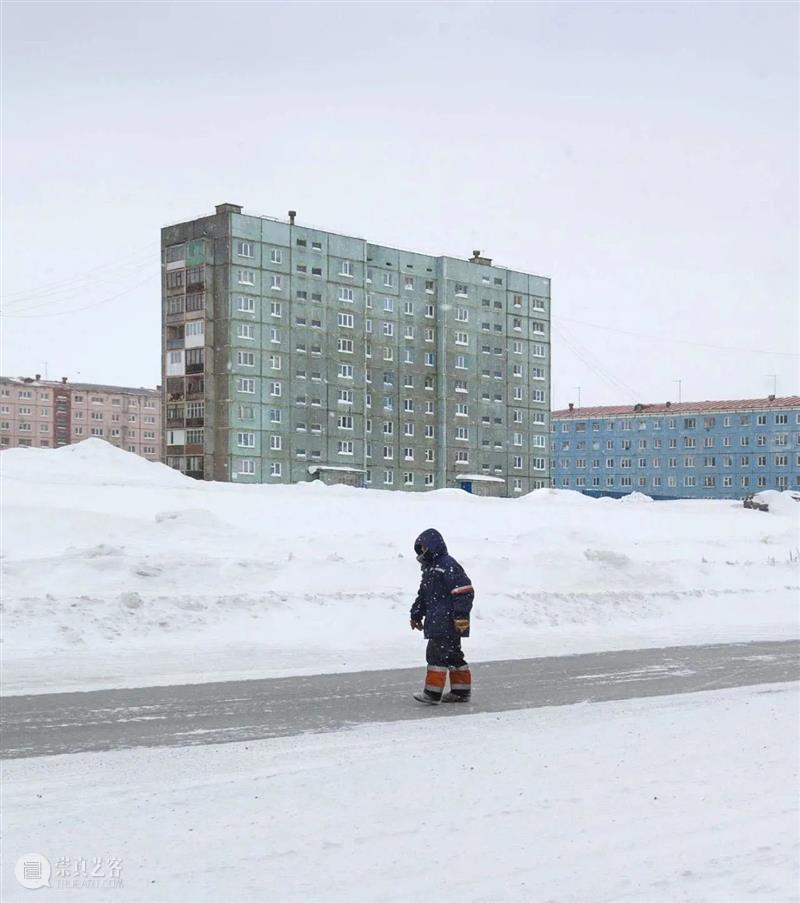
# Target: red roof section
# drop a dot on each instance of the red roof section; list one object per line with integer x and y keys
{"x": 683, "y": 407}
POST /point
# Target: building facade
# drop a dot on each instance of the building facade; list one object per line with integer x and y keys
{"x": 707, "y": 449}
{"x": 291, "y": 353}
{"x": 39, "y": 413}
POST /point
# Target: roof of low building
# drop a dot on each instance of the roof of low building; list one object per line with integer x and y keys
{"x": 85, "y": 387}
{"x": 680, "y": 407}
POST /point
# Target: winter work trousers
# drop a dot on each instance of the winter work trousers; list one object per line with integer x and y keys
{"x": 444, "y": 655}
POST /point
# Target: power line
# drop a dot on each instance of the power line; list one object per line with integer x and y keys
{"x": 656, "y": 338}
{"x": 67, "y": 293}
{"x": 63, "y": 313}
{"x": 77, "y": 293}
{"x": 75, "y": 282}
{"x": 586, "y": 357}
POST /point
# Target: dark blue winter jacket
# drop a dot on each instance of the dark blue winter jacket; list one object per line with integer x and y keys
{"x": 445, "y": 591}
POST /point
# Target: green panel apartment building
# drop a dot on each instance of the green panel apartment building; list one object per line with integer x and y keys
{"x": 291, "y": 353}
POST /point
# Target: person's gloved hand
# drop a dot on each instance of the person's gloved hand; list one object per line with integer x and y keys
{"x": 461, "y": 624}
{"x": 416, "y": 625}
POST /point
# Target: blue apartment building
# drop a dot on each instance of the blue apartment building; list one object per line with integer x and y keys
{"x": 705, "y": 449}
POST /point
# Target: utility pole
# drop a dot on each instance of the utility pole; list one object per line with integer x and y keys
{"x": 579, "y": 394}
{"x": 774, "y": 377}
{"x": 679, "y": 389}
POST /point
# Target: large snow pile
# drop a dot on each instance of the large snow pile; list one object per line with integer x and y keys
{"x": 91, "y": 462}
{"x": 118, "y": 571}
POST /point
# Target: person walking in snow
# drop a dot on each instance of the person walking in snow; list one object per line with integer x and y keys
{"x": 441, "y": 610}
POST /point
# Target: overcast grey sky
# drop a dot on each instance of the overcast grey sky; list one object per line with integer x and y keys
{"x": 645, "y": 156}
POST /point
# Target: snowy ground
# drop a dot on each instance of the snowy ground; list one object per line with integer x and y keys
{"x": 121, "y": 572}
{"x": 685, "y": 798}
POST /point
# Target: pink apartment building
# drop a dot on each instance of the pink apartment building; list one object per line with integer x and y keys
{"x": 41, "y": 413}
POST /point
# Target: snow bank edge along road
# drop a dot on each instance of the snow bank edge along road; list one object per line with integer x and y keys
{"x": 121, "y": 572}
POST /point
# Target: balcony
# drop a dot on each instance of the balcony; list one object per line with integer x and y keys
{"x": 195, "y": 421}
{"x": 195, "y": 368}
{"x": 174, "y": 343}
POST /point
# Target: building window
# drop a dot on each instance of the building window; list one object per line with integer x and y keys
{"x": 345, "y": 294}
{"x": 245, "y": 304}
{"x": 388, "y": 280}
{"x": 247, "y": 466}
{"x": 345, "y": 320}
{"x": 275, "y": 468}
{"x": 344, "y": 447}
{"x": 175, "y": 278}
{"x": 247, "y": 277}
{"x": 245, "y": 331}
{"x": 246, "y": 440}
{"x": 245, "y": 358}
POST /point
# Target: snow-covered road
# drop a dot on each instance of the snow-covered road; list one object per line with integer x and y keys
{"x": 658, "y": 800}
{"x": 195, "y": 714}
